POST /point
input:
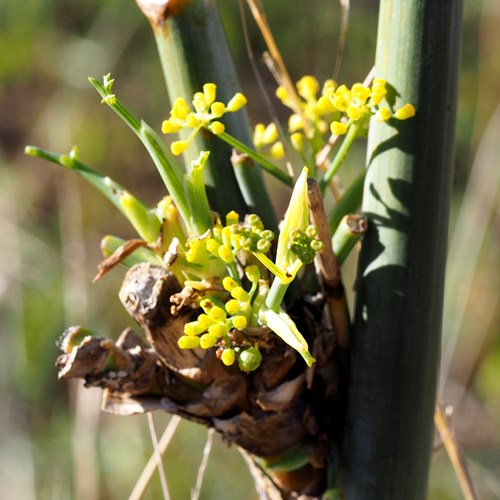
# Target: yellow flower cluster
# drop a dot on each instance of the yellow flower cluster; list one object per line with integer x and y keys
{"x": 334, "y": 108}
{"x": 220, "y": 320}
{"x": 264, "y": 136}
{"x": 206, "y": 113}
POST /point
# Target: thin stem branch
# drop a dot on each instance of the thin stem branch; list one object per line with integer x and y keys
{"x": 148, "y": 471}
{"x": 457, "y": 459}
{"x": 195, "y": 495}
{"x": 159, "y": 458}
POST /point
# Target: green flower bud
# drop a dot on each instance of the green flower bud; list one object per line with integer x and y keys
{"x": 250, "y": 359}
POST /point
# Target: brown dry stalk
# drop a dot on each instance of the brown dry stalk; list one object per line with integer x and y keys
{"x": 457, "y": 459}
{"x": 328, "y": 269}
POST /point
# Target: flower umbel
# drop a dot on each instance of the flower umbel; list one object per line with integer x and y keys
{"x": 206, "y": 114}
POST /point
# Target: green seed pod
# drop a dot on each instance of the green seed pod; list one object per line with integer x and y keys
{"x": 250, "y": 359}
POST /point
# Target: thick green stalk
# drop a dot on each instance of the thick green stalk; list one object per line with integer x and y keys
{"x": 396, "y": 336}
{"x": 193, "y": 51}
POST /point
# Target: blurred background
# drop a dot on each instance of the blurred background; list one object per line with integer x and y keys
{"x": 54, "y": 441}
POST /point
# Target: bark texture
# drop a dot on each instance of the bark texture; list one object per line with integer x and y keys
{"x": 282, "y": 414}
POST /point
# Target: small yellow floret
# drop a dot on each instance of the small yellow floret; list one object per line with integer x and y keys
{"x": 185, "y": 342}
{"x": 209, "y": 91}
{"x": 258, "y": 134}
{"x": 192, "y": 120}
{"x": 308, "y": 87}
{"x": 379, "y": 90}
{"x": 237, "y": 102}
{"x": 239, "y": 293}
{"x": 168, "y": 127}
{"x": 217, "y": 128}
{"x": 382, "y": 115}
{"x": 194, "y": 328}
{"x": 219, "y": 329}
{"x": 232, "y": 306}
{"x": 217, "y": 313}
{"x": 407, "y": 111}
{"x": 282, "y": 94}
{"x": 229, "y": 283}
{"x": 225, "y": 254}
{"x": 207, "y": 341}
{"x": 218, "y": 109}
{"x": 239, "y": 322}
{"x": 277, "y": 150}
{"x": 180, "y": 109}
{"x": 359, "y": 91}
{"x": 252, "y": 273}
{"x": 297, "y": 140}
{"x": 270, "y": 133}
{"x": 232, "y": 217}
{"x": 354, "y": 112}
{"x": 228, "y": 356}
{"x": 199, "y": 102}
{"x": 295, "y": 123}
{"x": 178, "y": 147}
{"x": 338, "y": 128}
{"x": 325, "y": 105}
{"x": 213, "y": 246}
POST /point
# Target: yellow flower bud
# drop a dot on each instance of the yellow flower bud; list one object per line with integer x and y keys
{"x": 239, "y": 293}
{"x": 225, "y": 254}
{"x": 217, "y": 313}
{"x": 360, "y": 92}
{"x": 229, "y": 283}
{"x": 382, "y": 115}
{"x": 207, "y": 341}
{"x": 180, "y": 109}
{"x": 328, "y": 87}
{"x": 325, "y": 105}
{"x": 213, "y": 246}
{"x": 239, "y": 322}
{"x": 185, "y": 342}
{"x": 192, "y": 120}
{"x": 167, "y": 127}
{"x": 193, "y": 328}
{"x": 295, "y": 123}
{"x": 178, "y": 147}
{"x": 297, "y": 140}
{"x": 236, "y": 103}
{"x": 308, "y": 87}
{"x": 199, "y": 102}
{"x": 209, "y": 90}
{"x": 217, "y": 128}
{"x": 252, "y": 273}
{"x": 354, "y": 112}
{"x": 232, "y": 306}
{"x": 407, "y": 111}
{"x": 277, "y": 150}
{"x": 232, "y": 217}
{"x": 282, "y": 94}
{"x": 218, "y": 330}
{"x": 218, "y": 109}
{"x": 258, "y": 134}
{"x": 338, "y": 128}
{"x": 228, "y": 357}
{"x": 270, "y": 134}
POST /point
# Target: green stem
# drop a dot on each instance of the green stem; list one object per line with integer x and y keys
{"x": 166, "y": 165}
{"x": 194, "y": 51}
{"x": 276, "y": 295}
{"x": 349, "y": 203}
{"x": 339, "y": 158}
{"x": 397, "y": 331}
{"x": 259, "y": 159}
{"x": 144, "y": 221}
{"x": 350, "y": 230}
